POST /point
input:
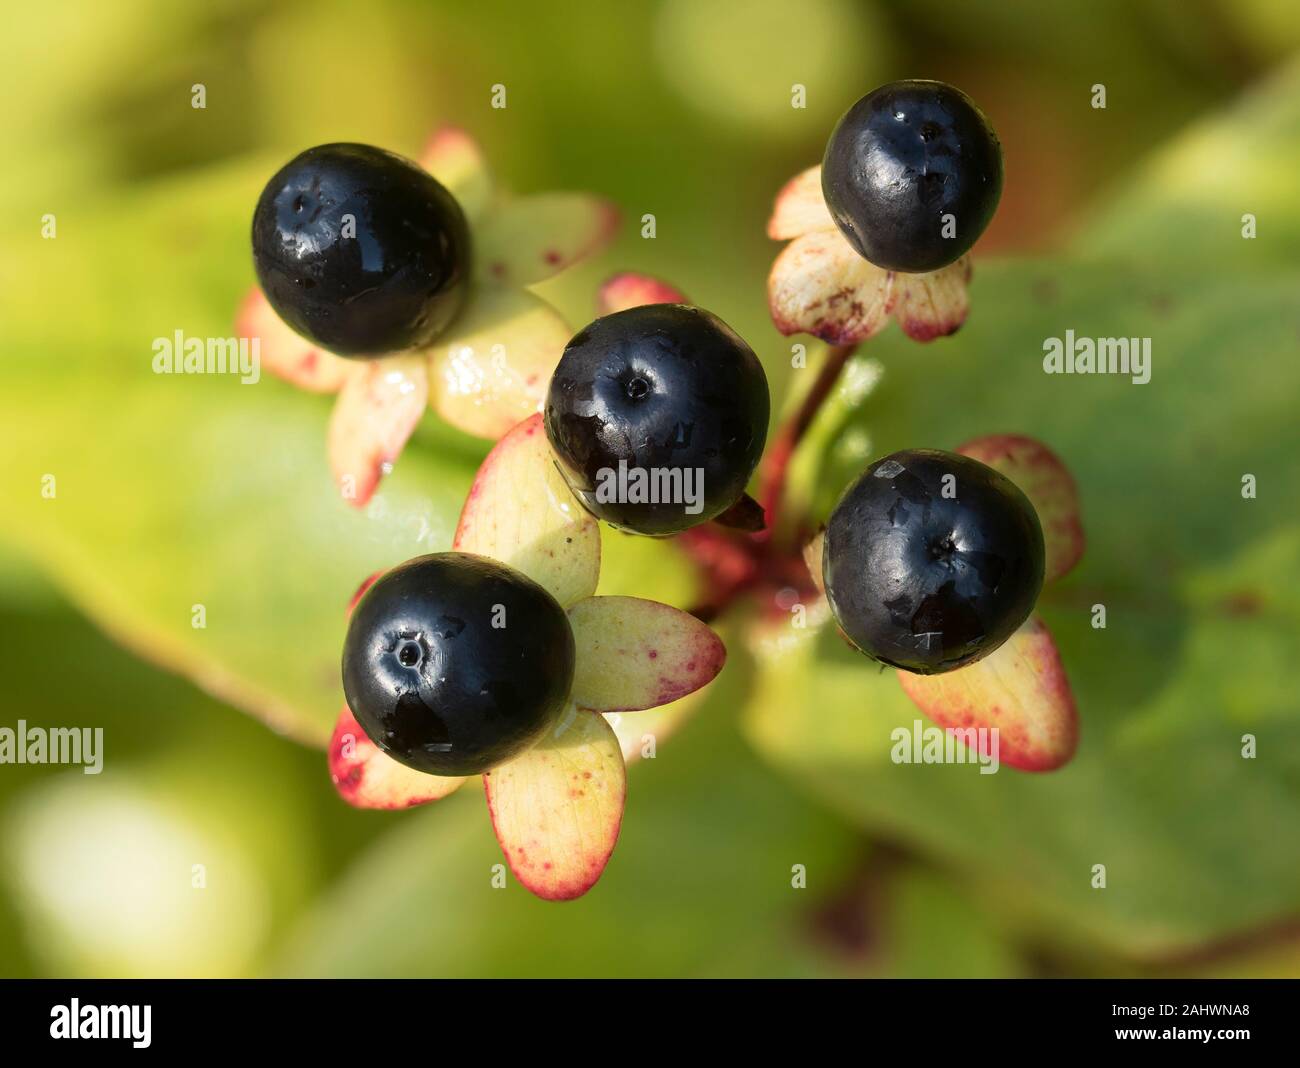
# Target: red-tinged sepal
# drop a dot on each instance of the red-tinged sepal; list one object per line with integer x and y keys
{"x": 492, "y": 367}
{"x": 531, "y": 238}
{"x": 366, "y": 583}
{"x": 814, "y": 554}
{"x": 375, "y": 414}
{"x": 800, "y": 208}
{"x": 557, "y": 808}
{"x": 636, "y": 654}
{"x": 520, "y": 511}
{"x": 455, "y": 159}
{"x": 632, "y": 290}
{"x": 1043, "y": 477}
{"x": 285, "y": 354}
{"x": 820, "y": 286}
{"x": 1020, "y": 690}
{"x": 935, "y": 304}
{"x": 366, "y": 777}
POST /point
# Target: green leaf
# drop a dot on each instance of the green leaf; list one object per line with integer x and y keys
{"x": 177, "y": 491}
{"x": 1186, "y": 203}
{"x": 1201, "y": 627}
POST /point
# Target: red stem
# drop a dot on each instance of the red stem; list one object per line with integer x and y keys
{"x": 776, "y": 466}
{"x": 734, "y": 563}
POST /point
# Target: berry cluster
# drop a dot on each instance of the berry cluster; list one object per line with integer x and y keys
{"x": 654, "y": 419}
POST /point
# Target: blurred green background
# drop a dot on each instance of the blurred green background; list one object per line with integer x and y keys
{"x": 176, "y": 491}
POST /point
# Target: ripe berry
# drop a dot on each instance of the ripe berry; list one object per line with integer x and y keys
{"x": 454, "y": 663}
{"x": 900, "y": 160}
{"x": 360, "y": 251}
{"x": 932, "y": 560}
{"x": 657, "y": 416}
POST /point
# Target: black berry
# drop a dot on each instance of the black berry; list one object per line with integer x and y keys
{"x": 932, "y": 560}
{"x": 360, "y": 251}
{"x": 912, "y": 175}
{"x": 657, "y": 416}
{"x": 454, "y": 663}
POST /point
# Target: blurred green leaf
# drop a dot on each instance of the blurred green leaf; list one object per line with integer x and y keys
{"x": 1270, "y": 28}
{"x": 935, "y": 930}
{"x": 1201, "y": 623}
{"x": 733, "y": 67}
{"x": 98, "y": 869}
{"x": 1185, "y": 204}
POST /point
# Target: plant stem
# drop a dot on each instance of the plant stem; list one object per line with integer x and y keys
{"x": 734, "y": 561}
{"x": 777, "y": 465}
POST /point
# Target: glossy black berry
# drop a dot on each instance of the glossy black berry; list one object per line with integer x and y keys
{"x": 932, "y": 560}
{"x": 360, "y": 251}
{"x": 657, "y": 417}
{"x": 908, "y": 165}
{"x": 454, "y": 663}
